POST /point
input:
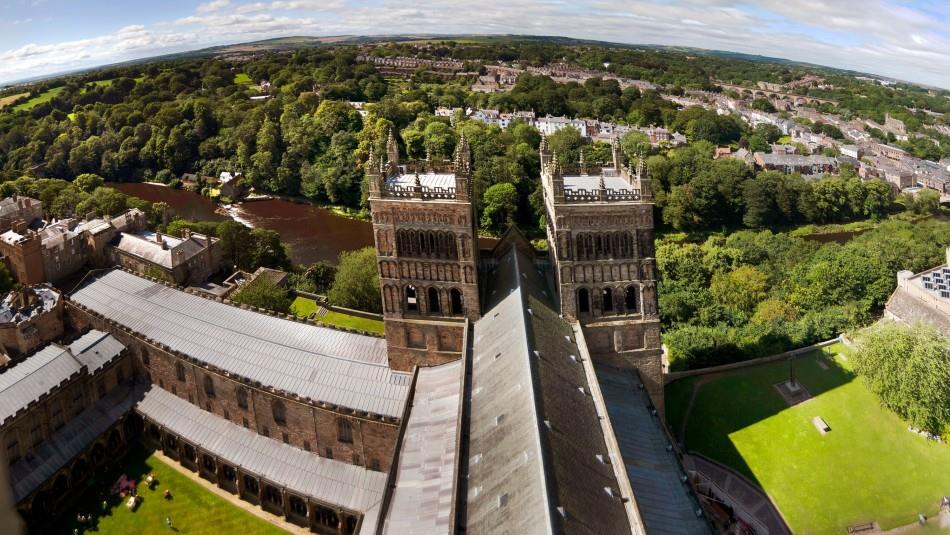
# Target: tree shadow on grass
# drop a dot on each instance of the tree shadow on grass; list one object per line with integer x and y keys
{"x": 731, "y": 401}
{"x": 94, "y": 491}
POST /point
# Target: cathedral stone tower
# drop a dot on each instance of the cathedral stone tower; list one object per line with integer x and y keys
{"x": 427, "y": 250}
{"x": 600, "y": 232}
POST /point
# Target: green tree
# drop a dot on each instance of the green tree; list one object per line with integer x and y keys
{"x": 88, "y": 182}
{"x": 356, "y": 284}
{"x": 906, "y": 367}
{"x": 500, "y": 208}
{"x": 263, "y": 293}
{"x": 741, "y": 289}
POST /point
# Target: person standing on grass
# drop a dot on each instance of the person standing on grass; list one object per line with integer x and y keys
{"x": 168, "y": 522}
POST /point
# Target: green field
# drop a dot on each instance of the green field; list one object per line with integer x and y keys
{"x": 867, "y": 468}
{"x": 46, "y": 96}
{"x": 303, "y": 307}
{"x": 243, "y": 79}
{"x": 193, "y": 509}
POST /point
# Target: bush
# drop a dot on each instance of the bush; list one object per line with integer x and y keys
{"x": 263, "y": 293}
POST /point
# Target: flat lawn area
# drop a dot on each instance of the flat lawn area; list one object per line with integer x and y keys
{"x": 242, "y": 79}
{"x": 6, "y": 101}
{"x": 353, "y": 322}
{"x": 45, "y": 96}
{"x": 302, "y": 307}
{"x": 192, "y": 509}
{"x": 868, "y": 467}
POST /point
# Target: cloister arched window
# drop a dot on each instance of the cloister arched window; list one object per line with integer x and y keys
{"x": 456, "y": 298}
{"x": 608, "y": 299}
{"x": 344, "y": 430}
{"x": 630, "y": 299}
{"x": 279, "y": 411}
{"x": 434, "y": 306}
{"x": 209, "y": 386}
{"x": 412, "y": 301}
{"x": 583, "y": 301}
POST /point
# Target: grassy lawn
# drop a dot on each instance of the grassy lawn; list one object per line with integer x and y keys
{"x": 869, "y": 467}
{"x": 243, "y": 79}
{"x": 45, "y": 96}
{"x": 353, "y": 322}
{"x": 192, "y": 509}
{"x": 302, "y": 307}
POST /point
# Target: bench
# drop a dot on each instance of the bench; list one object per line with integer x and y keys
{"x": 820, "y": 425}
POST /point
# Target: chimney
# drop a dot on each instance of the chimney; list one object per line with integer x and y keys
{"x": 186, "y": 233}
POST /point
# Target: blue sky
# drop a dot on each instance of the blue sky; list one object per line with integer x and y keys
{"x": 906, "y": 39}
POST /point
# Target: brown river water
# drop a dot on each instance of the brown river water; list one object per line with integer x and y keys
{"x": 313, "y": 233}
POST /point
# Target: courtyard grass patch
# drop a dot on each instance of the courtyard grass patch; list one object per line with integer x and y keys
{"x": 243, "y": 79}
{"x": 352, "y": 322}
{"x": 302, "y": 307}
{"x": 867, "y": 468}
{"x": 193, "y": 509}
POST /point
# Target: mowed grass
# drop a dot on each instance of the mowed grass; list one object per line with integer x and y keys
{"x": 352, "y": 322}
{"x": 868, "y": 468}
{"x": 303, "y": 307}
{"x": 193, "y": 509}
{"x": 45, "y": 96}
{"x": 243, "y": 79}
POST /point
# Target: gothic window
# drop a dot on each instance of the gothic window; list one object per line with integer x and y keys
{"x": 344, "y": 430}
{"x": 241, "y": 394}
{"x": 279, "y": 411}
{"x": 608, "y": 297}
{"x": 250, "y": 485}
{"x": 434, "y": 305}
{"x": 209, "y": 386}
{"x": 583, "y": 301}
{"x": 180, "y": 371}
{"x": 412, "y": 303}
{"x": 456, "y": 297}
{"x": 630, "y": 299}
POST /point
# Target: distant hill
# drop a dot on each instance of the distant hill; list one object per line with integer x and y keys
{"x": 295, "y": 42}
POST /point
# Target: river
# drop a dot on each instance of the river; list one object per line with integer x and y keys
{"x": 313, "y": 233}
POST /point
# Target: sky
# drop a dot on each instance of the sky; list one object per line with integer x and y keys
{"x": 904, "y": 39}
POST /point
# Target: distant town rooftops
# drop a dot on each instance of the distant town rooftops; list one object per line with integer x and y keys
{"x": 793, "y": 159}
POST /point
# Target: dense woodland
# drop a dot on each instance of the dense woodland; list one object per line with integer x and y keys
{"x": 722, "y": 296}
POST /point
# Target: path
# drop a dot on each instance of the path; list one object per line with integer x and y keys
{"x": 278, "y": 521}
{"x": 745, "y": 495}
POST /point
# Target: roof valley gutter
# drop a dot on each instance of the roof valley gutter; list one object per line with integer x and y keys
{"x": 617, "y": 463}
{"x": 545, "y": 465}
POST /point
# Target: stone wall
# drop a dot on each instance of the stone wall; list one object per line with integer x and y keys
{"x": 22, "y": 338}
{"x": 425, "y": 343}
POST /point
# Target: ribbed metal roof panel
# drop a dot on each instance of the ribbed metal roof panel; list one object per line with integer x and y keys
{"x": 343, "y": 368}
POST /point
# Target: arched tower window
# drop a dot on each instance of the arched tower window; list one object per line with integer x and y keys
{"x": 412, "y": 301}
{"x": 279, "y": 411}
{"x": 434, "y": 306}
{"x": 608, "y": 297}
{"x": 344, "y": 430}
{"x": 456, "y": 296}
{"x": 583, "y": 301}
{"x": 209, "y": 386}
{"x": 630, "y": 299}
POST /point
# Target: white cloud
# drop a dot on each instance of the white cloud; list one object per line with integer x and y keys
{"x": 214, "y": 5}
{"x": 877, "y": 36}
